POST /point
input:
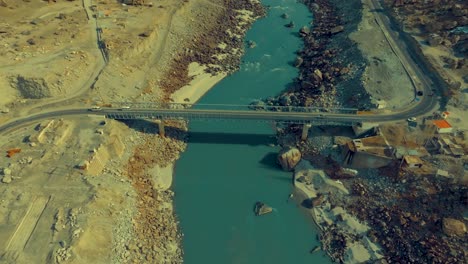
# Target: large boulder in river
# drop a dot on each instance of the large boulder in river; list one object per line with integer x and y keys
{"x": 304, "y": 31}
{"x": 453, "y": 227}
{"x": 261, "y": 209}
{"x": 288, "y": 158}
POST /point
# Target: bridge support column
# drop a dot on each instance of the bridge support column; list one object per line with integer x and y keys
{"x": 160, "y": 123}
{"x": 305, "y": 131}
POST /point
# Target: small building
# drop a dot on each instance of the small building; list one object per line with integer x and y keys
{"x": 412, "y": 161}
{"x": 443, "y": 126}
{"x": 447, "y": 145}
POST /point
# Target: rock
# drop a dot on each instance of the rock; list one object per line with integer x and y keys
{"x": 290, "y": 25}
{"x": 315, "y": 249}
{"x": 336, "y": 29}
{"x": 318, "y": 75}
{"x": 285, "y": 100}
{"x": 6, "y": 171}
{"x": 453, "y": 227}
{"x": 32, "y": 88}
{"x": 288, "y": 158}
{"x": 6, "y": 179}
{"x": 251, "y": 44}
{"x": 304, "y": 31}
{"x": 434, "y": 40}
{"x": 298, "y": 62}
{"x": 261, "y": 209}
{"x": 285, "y": 16}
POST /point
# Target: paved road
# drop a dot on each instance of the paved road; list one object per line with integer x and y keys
{"x": 422, "y": 81}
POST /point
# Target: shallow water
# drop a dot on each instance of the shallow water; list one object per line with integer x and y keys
{"x": 228, "y": 166}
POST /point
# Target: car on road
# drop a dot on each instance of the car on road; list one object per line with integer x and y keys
{"x": 95, "y": 108}
{"x": 124, "y": 107}
{"x": 411, "y": 119}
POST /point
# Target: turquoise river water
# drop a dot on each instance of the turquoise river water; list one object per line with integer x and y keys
{"x": 228, "y": 166}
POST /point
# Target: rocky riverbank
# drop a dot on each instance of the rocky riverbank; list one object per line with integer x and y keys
{"x": 219, "y": 47}
{"x": 330, "y": 65}
{"x": 385, "y": 223}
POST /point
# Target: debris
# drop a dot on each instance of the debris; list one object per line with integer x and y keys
{"x": 12, "y": 152}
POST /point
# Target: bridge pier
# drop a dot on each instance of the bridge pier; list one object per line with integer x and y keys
{"x": 305, "y": 131}
{"x": 161, "y": 128}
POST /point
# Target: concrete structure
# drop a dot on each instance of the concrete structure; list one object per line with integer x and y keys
{"x": 412, "y": 161}
{"x": 305, "y": 131}
{"x": 161, "y": 127}
{"x": 370, "y": 152}
{"x": 447, "y": 145}
{"x": 443, "y": 126}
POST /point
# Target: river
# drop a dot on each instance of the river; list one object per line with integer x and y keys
{"x": 228, "y": 166}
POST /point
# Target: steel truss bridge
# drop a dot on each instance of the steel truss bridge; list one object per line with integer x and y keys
{"x": 261, "y": 113}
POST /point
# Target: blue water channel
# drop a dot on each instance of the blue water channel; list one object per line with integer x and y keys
{"x": 228, "y": 166}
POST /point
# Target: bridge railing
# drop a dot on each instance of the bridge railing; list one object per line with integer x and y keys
{"x": 234, "y": 107}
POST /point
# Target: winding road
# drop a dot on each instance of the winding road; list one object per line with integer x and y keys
{"x": 422, "y": 81}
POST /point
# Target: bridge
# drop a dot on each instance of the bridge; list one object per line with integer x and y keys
{"x": 423, "y": 79}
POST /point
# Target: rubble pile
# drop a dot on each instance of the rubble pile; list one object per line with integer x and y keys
{"x": 157, "y": 238}
{"x": 413, "y": 219}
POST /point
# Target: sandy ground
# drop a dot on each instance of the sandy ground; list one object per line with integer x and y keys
{"x": 384, "y": 78}
{"x": 200, "y": 84}
{"x": 115, "y": 203}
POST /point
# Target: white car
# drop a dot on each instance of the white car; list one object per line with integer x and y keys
{"x": 411, "y": 119}
{"x": 95, "y": 108}
{"x": 125, "y": 107}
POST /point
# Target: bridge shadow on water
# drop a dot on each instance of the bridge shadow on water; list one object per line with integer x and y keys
{"x": 202, "y": 137}
{"x": 268, "y": 161}
{"x": 231, "y": 138}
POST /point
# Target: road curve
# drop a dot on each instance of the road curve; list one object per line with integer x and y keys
{"x": 422, "y": 81}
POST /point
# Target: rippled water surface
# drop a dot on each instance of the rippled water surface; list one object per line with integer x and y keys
{"x": 228, "y": 166}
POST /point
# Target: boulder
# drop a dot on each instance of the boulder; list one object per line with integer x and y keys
{"x": 304, "y": 31}
{"x": 453, "y": 227}
{"x": 298, "y": 62}
{"x": 261, "y": 209}
{"x": 6, "y": 179}
{"x": 318, "y": 75}
{"x": 434, "y": 40}
{"x": 336, "y": 29}
{"x": 290, "y": 25}
{"x": 6, "y": 171}
{"x": 288, "y": 158}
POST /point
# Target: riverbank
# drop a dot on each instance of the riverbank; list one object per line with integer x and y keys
{"x": 189, "y": 76}
{"x": 381, "y": 217}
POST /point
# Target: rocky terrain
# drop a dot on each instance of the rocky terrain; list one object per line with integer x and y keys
{"x": 440, "y": 29}
{"x": 410, "y": 216}
{"x": 121, "y": 211}
{"x": 321, "y": 69}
